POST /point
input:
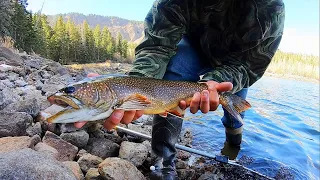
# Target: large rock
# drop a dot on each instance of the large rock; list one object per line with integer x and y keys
{"x": 102, "y": 147}
{"x": 30, "y": 106}
{"x": 93, "y": 174}
{"x": 8, "y": 96}
{"x": 88, "y": 161}
{"x": 35, "y": 129}
{"x": 47, "y": 150}
{"x": 77, "y": 138}
{"x": 8, "y": 144}
{"x": 136, "y": 153}
{"x": 117, "y": 168}
{"x": 75, "y": 168}
{"x": 55, "y": 83}
{"x": 28, "y": 164}
{"x": 14, "y": 124}
{"x": 67, "y": 151}
{"x": 9, "y": 57}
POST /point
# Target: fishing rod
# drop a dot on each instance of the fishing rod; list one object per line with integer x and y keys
{"x": 219, "y": 158}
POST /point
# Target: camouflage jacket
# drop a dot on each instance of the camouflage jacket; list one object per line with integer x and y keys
{"x": 238, "y": 37}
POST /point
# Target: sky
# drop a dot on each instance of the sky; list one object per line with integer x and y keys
{"x": 301, "y": 33}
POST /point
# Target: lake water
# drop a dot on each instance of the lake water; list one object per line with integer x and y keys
{"x": 281, "y": 129}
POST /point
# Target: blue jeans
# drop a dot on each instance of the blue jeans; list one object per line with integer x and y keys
{"x": 186, "y": 65}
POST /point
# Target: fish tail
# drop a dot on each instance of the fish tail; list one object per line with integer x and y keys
{"x": 234, "y": 104}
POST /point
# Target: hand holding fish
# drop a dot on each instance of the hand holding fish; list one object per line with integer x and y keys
{"x": 207, "y": 100}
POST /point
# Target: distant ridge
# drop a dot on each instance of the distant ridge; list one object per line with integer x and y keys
{"x": 130, "y": 30}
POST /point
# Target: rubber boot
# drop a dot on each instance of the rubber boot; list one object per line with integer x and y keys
{"x": 165, "y": 134}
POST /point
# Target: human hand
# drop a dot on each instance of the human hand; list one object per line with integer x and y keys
{"x": 207, "y": 100}
{"x": 117, "y": 116}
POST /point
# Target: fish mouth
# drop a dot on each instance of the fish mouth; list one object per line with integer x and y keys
{"x": 64, "y": 101}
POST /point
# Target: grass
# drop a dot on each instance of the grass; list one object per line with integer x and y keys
{"x": 295, "y": 65}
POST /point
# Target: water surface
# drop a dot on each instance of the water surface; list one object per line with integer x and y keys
{"x": 281, "y": 129}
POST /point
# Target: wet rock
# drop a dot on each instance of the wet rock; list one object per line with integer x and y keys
{"x": 180, "y": 164}
{"x": 186, "y": 138}
{"x": 77, "y": 138}
{"x": 14, "y": 124}
{"x": 47, "y": 150}
{"x": 186, "y": 174}
{"x": 32, "y": 165}
{"x": 208, "y": 175}
{"x": 88, "y": 161}
{"x": 136, "y": 153}
{"x": 67, "y": 151}
{"x": 102, "y": 147}
{"x": 93, "y": 174}
{"x": 75, "y": 168}
{"x": 20, "y": 83}
{"x": 284, "y": 173}
{"x": 30, "y": 106}
{"x": 183, "y": 155}
{"x": 8, "y": 144}
{"x": 117, "y": 168}
{"x": 34, "y": 129}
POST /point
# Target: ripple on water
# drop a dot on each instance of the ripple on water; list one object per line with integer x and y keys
{"x": 281, "y": 129}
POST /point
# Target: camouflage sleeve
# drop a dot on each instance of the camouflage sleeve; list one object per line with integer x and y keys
{"x": 243, "y": 75}
{"x": 245, "y": 68}
{"x": 164, "y": 26}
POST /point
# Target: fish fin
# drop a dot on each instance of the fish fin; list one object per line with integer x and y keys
{"x": 234, "y": 105}
{"x": 239, "y": 103}
{"x": 177, "y": 111}
{"x": 134, "y": 102}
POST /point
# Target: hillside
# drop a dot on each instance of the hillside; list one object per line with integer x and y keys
{"x": 130, "y": 30}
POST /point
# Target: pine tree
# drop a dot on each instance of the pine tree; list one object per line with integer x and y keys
{"x": 88, "y": 42}
{"x": 75, "y": 42}
{"x": 97, "y": 41}
{"x": 47, "y": 34}
{"x": 6, "y": 12}
{"x": 60, "y": 42}
{"x": 124, "y": 49}
{"x": 119, "y": 44}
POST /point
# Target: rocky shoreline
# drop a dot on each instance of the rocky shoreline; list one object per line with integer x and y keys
{"x": 31, "y": 148}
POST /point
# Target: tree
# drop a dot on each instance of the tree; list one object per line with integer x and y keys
{"x": 119, "y": 44}
{"x": 22, "y": 27}
{"x": 88, "y": 42}
{"x": 97, "y": 41}
{"x": 124, "y": 49}
{"x": 6, "y": 12}
{"x": 60, "y": 42}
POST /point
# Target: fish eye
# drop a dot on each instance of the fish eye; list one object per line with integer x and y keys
{"x": 69, "y": 89}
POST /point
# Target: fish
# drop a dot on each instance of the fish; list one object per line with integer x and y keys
{"x": 95, "y": 98}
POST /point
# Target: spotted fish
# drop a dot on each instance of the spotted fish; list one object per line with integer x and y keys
{"x": 94, "y": 99}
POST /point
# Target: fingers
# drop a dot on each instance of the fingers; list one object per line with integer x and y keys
{"x": 183, "y": 105}
{"x": 138, "y": 114}
{"x": 79, "y": 124}
{"x": 224, "y": 86}
{"x": 194, "y": 104}
{"x": 128, "y": 117}
{"x": 204, "y": 103}
{"x": 114, "y": 119}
